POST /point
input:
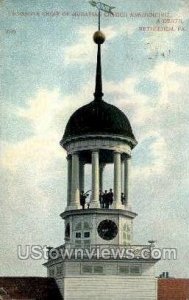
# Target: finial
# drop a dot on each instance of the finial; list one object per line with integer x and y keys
{"x": 99, "y": 38}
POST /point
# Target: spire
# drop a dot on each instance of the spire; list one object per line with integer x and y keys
{"x": 99, "y": 39}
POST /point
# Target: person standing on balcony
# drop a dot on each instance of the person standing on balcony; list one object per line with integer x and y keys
{"x": 110, "y": 197}
{"x": 101, "y": 199}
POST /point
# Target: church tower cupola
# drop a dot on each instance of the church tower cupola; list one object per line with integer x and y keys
{"x": 99, "y": 134}
{"x": 99, "y": 221}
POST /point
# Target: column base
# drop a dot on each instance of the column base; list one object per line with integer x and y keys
{"x": 73, "y": 207}
{"x": 117, "y": 206}
{"x": 94, "y": 204}
{"x": 128, "y": 207}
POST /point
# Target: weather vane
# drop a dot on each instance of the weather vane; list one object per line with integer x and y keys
{"x": 101, "y": 6}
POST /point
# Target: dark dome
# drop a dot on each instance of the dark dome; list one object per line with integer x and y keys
{"x": 98, "y": 117}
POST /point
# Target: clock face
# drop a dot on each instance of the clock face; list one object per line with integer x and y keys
{"x": 107, "y": 230}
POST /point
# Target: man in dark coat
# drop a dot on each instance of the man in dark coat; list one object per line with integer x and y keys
{"x": 83, "y": 196}
{"x": 110, "y": 197}
{"x": 123, "y": 199}
{"x": 105, "y": 200}
{"x": 101, "y": 199}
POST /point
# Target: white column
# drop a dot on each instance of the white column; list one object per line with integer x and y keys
{"x": 95, "y": 179}
{"x": 117, "y": 180}
{"x": 126, "y": 180}
{"x": 75, "y": 197}
{"x": 122, "y": 175}
{"x": 102, "y": 166}
{"x": 82, "y": 176}
{"x": 69, "y": 179}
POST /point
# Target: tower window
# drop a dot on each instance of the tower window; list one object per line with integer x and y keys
{"x": 126, "y": 234}
{"x": 78, "y": 243}
{"x": 135, "y": 270}
{"x": 86, "y": 226}
{"x": 78, "y": 235}
{"x": 129, "y": 270}
{"x": 86, "y": 243}
{"x": 67, "y": 231}
{"x": 126, "y": 243}
{"x": 82, "y": 233}
{"x": 87, "y": 269}
{"x": 86, "y": 234}
{"x": 78, "y": 226}
{"x": 59, "y": 270}
{"x": 98, "y": 269}
{"x": 124, "y": 270}
{"x": 92, "y": 269}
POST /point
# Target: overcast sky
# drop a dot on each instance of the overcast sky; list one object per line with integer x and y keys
{"x": 48, "y": 72}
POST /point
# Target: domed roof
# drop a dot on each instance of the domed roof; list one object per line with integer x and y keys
{"x": 98, "y": 118}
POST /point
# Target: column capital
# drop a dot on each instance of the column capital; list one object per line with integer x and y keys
{"x": 127, "y": 157}
{"x": 95, "y": 150}
{"x": 75, "y": 153}
{"x": 117, "y": 152}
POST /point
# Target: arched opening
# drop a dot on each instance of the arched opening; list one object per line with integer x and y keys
{"x": 67, "y": 232}
{"x": 96, "y": 173}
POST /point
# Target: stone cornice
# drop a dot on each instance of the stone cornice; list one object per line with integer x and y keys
{"x": 97, "y": 142}
{"x": 99, "y": 211}
{"x": 102, "y": 139}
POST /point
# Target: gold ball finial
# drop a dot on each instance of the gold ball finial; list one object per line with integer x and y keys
{"x": 99, "y": 37}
